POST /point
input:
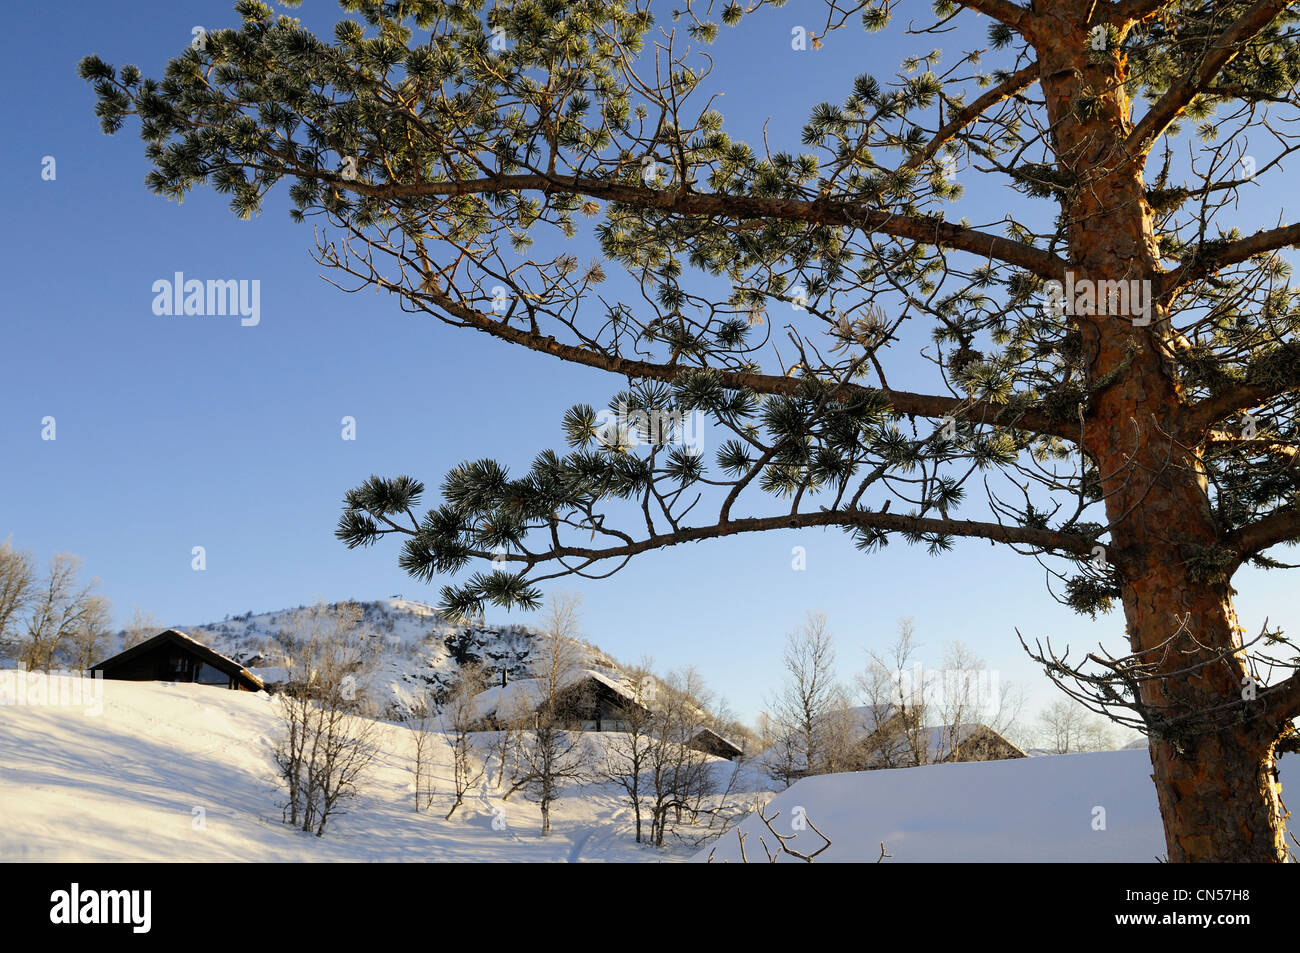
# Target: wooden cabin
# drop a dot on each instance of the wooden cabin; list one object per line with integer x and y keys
{"x": 173, "y": 656}
{"x": 593, "y": 703}
{"x": 710, "y": 742}
{"x": 588, "y": 701}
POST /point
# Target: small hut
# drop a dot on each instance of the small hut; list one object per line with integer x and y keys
{"x": 173, "y": 656}
{"x": 710, "y": 742}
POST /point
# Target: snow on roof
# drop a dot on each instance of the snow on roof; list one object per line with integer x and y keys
{"x": 865, "y": 720}
{"x": 614, "y": 683}
{"x": 705, "y": 730}
{"x": 513, "y": 698}
{"x": 525, "y": 694}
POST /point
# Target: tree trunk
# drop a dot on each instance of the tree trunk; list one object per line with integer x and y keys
{"x": 1215, "y": 777}
{"x": 1219, "y": 798}
{"x": 1221, "y": 803}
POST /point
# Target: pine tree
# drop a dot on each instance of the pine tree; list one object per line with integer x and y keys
{"x": 1115, "y": 360}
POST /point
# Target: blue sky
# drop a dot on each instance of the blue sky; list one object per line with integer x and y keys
{"x": 176, "y": 432}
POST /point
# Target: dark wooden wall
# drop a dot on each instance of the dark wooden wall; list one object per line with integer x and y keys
{"x": 169, "y": 662}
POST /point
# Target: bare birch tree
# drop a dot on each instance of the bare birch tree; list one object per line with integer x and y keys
{"x": 678, "y": 775}
{"x": 18, "y": 588}
{"x": 1070, "y": 727}
{"x": 143, "y": 626}
{"x": 325, "y": 746}
{"x": 628, "y": 752}
{"x": 808, "y": 695}
{"x": 88, "y": 637}
{"x": 458, "y": 719}
{"x": 421, "y": 718}
{"x": 550, "y": 755}
{"x": 895, "y": 704}
{"x": 60, "y": 607}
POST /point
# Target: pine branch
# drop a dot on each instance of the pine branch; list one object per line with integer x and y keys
{"x": 903, "y": 402}
{"x": 1280, "y": 526}
{"x": 1012, "y": 14}
{"x": 1129, "y": 11}
{"x": 823, "y": 211}
{"x": 1008, "y": 87}
{"x": 1222, "y": 50}
{"x": 1043, "y": 539}
{"x": 1212, "y": 257}
{"x": 1219, "y": 438}
{"x": 1282, "y": 376}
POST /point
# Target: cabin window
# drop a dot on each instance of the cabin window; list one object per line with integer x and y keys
{"x": 207, "y": 675}
{"x": 180, "y": 669}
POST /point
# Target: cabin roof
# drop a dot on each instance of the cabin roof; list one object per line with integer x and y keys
{"x": 713, "y": 735}
{"x": 526, "y": 694}
{"x": 191, "y": 645}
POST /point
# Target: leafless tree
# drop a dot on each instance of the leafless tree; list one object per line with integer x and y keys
{"x": 884, "y": 743}
{"x": 326, "y": 745}
{"x": 838, "y": 736}
{"x": 722, "y": 811}
{"x": 728, "y": 725}
{"x": 781, "y": 843}
{"x": 679, "y": 776}
{"x": 421, "y": 718}
{"x": 18, "y": 588}
{"x": 696, "y": 715}
{"x": 458, "y": 719}
{"x": 809, "y": 694}
{"x": 893, "y": 686}
{"x": 550, "y": 755}
{"x": 969, "y": 694}
{"x": 512, "y": 718}
{"x": 1068, "y": 727}
{"x": 918, "y": 715}
{"x": 143, "y": 625}
{"x": 628, "y": 752}
{"x": 559, "y": 653}
{"x": 780, "y": 750}
{"x": 60, "y": 607}
{"x": 88, "y": 637}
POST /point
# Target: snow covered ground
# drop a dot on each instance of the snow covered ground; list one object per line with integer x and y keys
{"x": 184, "y": 772}
{"x": 1074, "y": 807}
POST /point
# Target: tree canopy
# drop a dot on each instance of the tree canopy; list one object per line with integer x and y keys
{"x": 1112, "y": 364}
